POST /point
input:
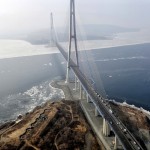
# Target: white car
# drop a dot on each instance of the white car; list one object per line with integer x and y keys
{"x": 110, "y": 111}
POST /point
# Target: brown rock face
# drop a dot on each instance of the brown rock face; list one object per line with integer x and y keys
{"x": 55, "y": 126}
{"x": 135, "y": 120}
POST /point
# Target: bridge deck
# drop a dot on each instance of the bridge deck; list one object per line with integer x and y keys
{"x": 126, "y": 143}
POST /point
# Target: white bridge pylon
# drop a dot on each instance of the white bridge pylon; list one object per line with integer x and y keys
{"x": 101, "y": 107}
{"x": 72, "y": 39}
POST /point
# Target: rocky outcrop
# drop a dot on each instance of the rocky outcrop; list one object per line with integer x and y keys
{"x": 56, "y": 126}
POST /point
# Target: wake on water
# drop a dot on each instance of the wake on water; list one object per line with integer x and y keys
{"x": 13, "y": 105}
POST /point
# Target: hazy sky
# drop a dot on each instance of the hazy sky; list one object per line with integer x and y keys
{"x": 21, "y": 15}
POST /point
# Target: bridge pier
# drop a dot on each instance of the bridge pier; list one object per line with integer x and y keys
{"x": 106, "y": 128}
{"x": 96, "y": 112}
{"x": 116, "y": 143}
{"x": 67, "y": 74}
{"x": 81, "y": 92}
{"x": 88, "y": 98}
{"x": 84, "y": 94}
{"x": 76, "y": 83}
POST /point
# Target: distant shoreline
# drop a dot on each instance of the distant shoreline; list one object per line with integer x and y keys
{"x": 60, "y": 54}
{"x": 37, "y": 49}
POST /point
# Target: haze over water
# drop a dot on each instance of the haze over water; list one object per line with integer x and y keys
{"x": 25, "y": 78}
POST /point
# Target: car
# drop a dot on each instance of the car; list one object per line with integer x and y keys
{"x": 138, "y": 147}
{"x": 134, "y": 142}
{"x": 124, "y": 130}
{"x": 118, "y": 122}
{"x": 110, "y": 111}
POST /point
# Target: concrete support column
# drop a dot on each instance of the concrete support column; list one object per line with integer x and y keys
{"x": 88, "y": 98}
{"x": 106, "y": 128}
{"x": 67, "y": 74}
{"x": 96, "y": 112}
{"x": 81, "y": 91}
{"x": 76, "y": 84}
{"x": 116, "y": 143}
{"x": 84, "y": 94}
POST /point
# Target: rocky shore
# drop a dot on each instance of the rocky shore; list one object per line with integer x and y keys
{"x": 61, "y": 125}
{"x": 136, "y": 120}
{"x": 55, "y": 125}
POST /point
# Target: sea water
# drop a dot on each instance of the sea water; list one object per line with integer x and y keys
{"x": 25, "y": 79}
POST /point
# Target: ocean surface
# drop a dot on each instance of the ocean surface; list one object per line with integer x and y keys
{"x": 123, "y": 72}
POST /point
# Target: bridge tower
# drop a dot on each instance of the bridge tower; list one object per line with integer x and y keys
{"x": 72, "y": 38}
{"x": 52, "y": 37}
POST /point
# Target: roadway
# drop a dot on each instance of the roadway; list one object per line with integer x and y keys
{"x": 127, "y": 140}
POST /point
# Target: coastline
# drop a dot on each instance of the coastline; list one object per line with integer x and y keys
{"x": 53, "y": 85}
{"x": 66, "y": 92}
{"x": 137, "y": 120}
{"x": 21, "y": 48}
{"x": 55, "y": 125}
{"x": 130, "y": 116}
{"x": 146, "y": 112}
{"x": 36, "y": 50}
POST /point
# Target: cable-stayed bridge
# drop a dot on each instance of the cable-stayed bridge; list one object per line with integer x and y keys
{"x": 110, "y": 120}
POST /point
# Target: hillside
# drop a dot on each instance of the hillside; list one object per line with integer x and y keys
{"x": 55, "y": 126}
